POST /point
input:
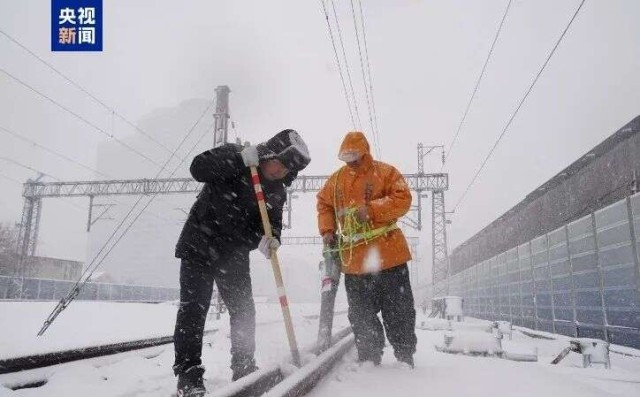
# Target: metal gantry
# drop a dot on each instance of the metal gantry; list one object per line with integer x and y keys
{"x": 440, "y": 270}
{"x": 123, "y": 187}
{"x": 420, "y": 183}
{"x": 35, "y": 191}
{"x": 29, "y": 226}
{"x": 221, "y": 116}
{"x": 440, "y": 255}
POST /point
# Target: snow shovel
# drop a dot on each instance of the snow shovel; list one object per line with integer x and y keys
{"x": 275, "y": 264}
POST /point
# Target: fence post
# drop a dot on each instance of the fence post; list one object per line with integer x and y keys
{"x": 534, "y": 292}
{"x": 634, "y": 243}
{"x": 519, "y": 285}
{"x": 509, "y": 287}
{"x": 551, "y": 289}
{"x": 600, "y": 277}
{"x": 496, "y": 288}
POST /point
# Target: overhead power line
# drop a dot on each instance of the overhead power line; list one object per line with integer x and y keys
{"x": 78, "y": 86}
{"x": 475, "y": 88}
{"x": 19, "y": 164}
{"x": 335, "y": 51}
{"x": 346, "y": 65}
{"x": 373, "y": 100}
{"x": 51, "y": 151}
{"x": 526, "y": 95}
{"x": 10, "y": 179}
{"x": 76, "y": 115}
{"x": 68, "y": 159}
{"x": 364, "y": 81}
{"x": 99, "y": 257}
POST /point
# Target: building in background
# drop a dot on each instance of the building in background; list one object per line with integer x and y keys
{"x": 41, "y": 267}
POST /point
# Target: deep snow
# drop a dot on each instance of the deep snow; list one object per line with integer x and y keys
{"x": 148, "y": 373}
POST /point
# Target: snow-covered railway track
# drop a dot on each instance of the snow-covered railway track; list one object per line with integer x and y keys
{"x": 60, "y": 357}
{"x": 16, "y": 364}
{"x": 287, "y": 381}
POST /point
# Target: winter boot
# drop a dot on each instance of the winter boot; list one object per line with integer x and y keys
{"x": 375, "y": 361}
{"x": 190, "y": 383}
{"x": 242, "y": 368}
{"x": 406, "y": 361}
{"x": 371, "y": 357}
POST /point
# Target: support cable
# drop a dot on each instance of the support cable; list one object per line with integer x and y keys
{"x": 475, "y": 89}
{"x": 373, "y": 101}
{"x": 364, "y": 80}
{"x": 506, "y": 127}
{"x": 78, "y": 86}
{"x": 71, "y": 160}
{"x": 95, "y": 263}
{"x": 335, "y": 51}
{"x": 84, "y": 120}
{"x": 346, "y": 65}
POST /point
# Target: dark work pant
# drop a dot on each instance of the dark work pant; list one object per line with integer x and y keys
{"x": 231, "y": 274}
{"x": 389, "y": 292}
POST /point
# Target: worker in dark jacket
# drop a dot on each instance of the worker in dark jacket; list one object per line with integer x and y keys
{"x": 224, "y": 224}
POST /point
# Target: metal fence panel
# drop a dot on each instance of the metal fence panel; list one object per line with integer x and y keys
{"x": 634, "y": 203}
{"x": 115, "y": 292}
{"x": 561, "y": 282}
{"x": 513, "y": 281}
{"x": 586, "y": 278}
{"x": 526, "y": 286}
{"x": 482, "y": 301}
{"x": 473, "y": 290}
{"x": 46, "y": 289}
{"x": 61, "y": 289}
{"x": 542, "y": 283}
{"x": 4, "y": 287}
{"x": 582, "y": 279}
{"x": 492, "y": 291}
{"x": 617, "y": 259}
{"x": 103, "y": 292}
{"x": 495, "y": 290}
{"x": 502, "y": 288}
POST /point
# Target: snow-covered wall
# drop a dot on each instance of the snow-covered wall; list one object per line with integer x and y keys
{"x": 602, "y": 176}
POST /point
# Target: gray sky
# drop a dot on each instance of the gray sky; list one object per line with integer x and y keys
{"x": 277, "y": 58}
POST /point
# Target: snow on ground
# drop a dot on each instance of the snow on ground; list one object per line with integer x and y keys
{"x": 139, "y": 373}
{"x": 147, "y": 373}
{"x": 444, "y": 375}
{"x": 82, "y": 324}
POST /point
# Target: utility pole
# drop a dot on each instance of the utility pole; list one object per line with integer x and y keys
{"x": 440, "y": 255}
{"x": 91, "y": 220}
{"x": 425, "y": 150}
{"x": 220, "y": 137}
{"x": 221, "y": 117}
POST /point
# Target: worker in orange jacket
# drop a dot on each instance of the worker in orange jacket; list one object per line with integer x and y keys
{"x": 358, "y": 208}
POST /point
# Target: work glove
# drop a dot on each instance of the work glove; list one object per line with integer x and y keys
{"x": 329, "y": 239}
{"x": 362, "y": 214}
{"x": 267, "y": 244}
{"x": 250, "y": 156}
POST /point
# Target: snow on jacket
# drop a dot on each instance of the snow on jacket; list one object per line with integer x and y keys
{"x": 226, "y": 215}
{"x": 386, "y": 194}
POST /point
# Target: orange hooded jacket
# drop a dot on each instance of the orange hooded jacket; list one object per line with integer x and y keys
{"x": 386, "y": 194}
